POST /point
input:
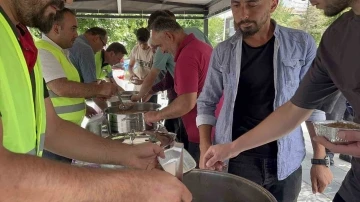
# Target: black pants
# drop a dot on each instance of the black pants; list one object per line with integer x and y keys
{"x": 263, "y": 171}
{"x": 338, "y": 198}
{"x": 55, "y": 157}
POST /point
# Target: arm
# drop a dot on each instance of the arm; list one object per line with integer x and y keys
{"x": 147, "y": 84}
{"x": 131, "y": 66}
{"x": 66, "y": 88}
{"x": 69, "y": 140}
{"x": 163, "y": 85}
{"x": 182, "y": 105}
{"x": 206, "y": 103}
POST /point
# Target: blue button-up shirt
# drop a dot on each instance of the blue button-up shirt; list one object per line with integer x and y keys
{"x": 294, "y": 51}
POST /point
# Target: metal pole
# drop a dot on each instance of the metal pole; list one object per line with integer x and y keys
{"x": 206, "y": 27}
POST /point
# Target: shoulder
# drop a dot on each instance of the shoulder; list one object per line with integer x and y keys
{"x": 294, "y": 35}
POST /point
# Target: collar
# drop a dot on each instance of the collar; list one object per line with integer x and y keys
{"x": 188, "y": 39}
{"x": 45, "y": 38}
{"x": 238, "y": 34}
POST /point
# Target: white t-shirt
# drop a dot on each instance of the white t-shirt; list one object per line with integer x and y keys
{"x": 143, "y": 61}
{"x": 51, "y": 67}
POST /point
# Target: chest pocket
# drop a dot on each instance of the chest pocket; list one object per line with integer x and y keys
{"x": 292, "y": 70}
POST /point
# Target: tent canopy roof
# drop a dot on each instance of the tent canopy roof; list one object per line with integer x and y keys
{"x": 204, "y": 7}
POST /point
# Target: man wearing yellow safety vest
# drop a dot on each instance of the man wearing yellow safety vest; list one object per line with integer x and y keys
{"x": 27, "y": 113}
{"x": 104, "y": 59}
{"x": 66, "y": 91}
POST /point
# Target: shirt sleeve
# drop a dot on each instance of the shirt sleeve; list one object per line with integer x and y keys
{"x": 160, "y": 60}
{"x": 317, "y": 86}
{"x": 187, "y": 75}
{"x": 51, "y": 67}
{"x": 87, "y": 66}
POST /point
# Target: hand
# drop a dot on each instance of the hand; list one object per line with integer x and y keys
{"x": 321, "y": 177}
{"x": 352, "y": 149}
{"x": 90, "y": 111}
{"x": 217, "y": 154}
{"x": 144, "y": 156}
{"x": 107, "y": 90}
{"x": 135, "y": 98}
{"x": 160, "y": 186}
{"x": 204, "y": 147}
{"x": 151, "y": 117}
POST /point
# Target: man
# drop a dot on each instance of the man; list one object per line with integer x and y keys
{"x": 330, "y": 72}
{"x": 260, "y": 46}
{"x": 164, "y": 62}
{"x": 24, "y": 120}
{"x": 66, "y": 91}
{"x": 192, "y": 58}
{"x": 82, "y": 53}
{"x": 104, "y": 59}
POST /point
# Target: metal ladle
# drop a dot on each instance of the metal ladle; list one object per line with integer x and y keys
{"x": 122, "y": 106}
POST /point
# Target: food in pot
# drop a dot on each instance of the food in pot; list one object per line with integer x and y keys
{"x": 342, "y": 125}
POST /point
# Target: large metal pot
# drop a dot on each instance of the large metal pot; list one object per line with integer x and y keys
{"x": 95, "y": 124}
{"x": 211, "y": 186}
{"x": 132, "y": 120}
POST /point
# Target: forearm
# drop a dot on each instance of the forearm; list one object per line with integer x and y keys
{"x": 205, "y": 137}
{"x": 70, "y": 140}
{"x": 65, "y": 88}
{"x": 319, "y": 150}
{"x": 146, "y": 86}
{"x": 280, "y": 123}
{"x": 29, "y": 178}
{"x": 179, "y": 107}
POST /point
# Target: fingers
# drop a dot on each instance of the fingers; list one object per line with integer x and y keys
{"x": 210, "y": 158}
{"x": 351, "y": 149}
{"x": 321, "y": 187}
{"x": 314, "y": 185}
{"x": 158, "y": 150}
{"x": 349, "y": 135}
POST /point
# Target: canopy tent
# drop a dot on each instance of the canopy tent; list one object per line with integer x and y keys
{"x": 206, "y": 8}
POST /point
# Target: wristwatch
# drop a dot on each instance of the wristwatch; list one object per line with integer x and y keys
{"x": 325, "y": 161}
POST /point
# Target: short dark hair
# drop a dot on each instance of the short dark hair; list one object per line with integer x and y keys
{"x": 155, "y": 15}
{"x": 142, "y": 35}
{"x": 165, "y": 24}
{"x": 96, "y": 31}
{"x": 171, "y": 14}
{"x": 117, "y": 48}
{"x": 58, "y": 18}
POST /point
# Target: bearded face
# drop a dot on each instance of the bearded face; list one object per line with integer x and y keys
{"x": 37, "y": 13}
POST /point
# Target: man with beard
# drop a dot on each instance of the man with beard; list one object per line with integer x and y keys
{"x": 259, "y": 69}
{"x": 27, "y": 112}
{"x": 335, "y": 68}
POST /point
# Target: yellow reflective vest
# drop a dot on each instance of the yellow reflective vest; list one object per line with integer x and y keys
{"x": 70, "y": 109}
{"x": 100, "y": 74}
{"x": 23, "y": 114}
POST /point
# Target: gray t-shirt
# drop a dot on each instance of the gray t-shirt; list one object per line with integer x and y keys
{"x": 336, "y": 67}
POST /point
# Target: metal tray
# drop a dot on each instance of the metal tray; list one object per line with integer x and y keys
{"x": 331, "y": 133}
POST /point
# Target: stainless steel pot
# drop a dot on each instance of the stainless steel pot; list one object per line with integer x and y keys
{"x": 132, "y": 120}
{"x": 211, "y": 186}
{"x": 95, "y": 124}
